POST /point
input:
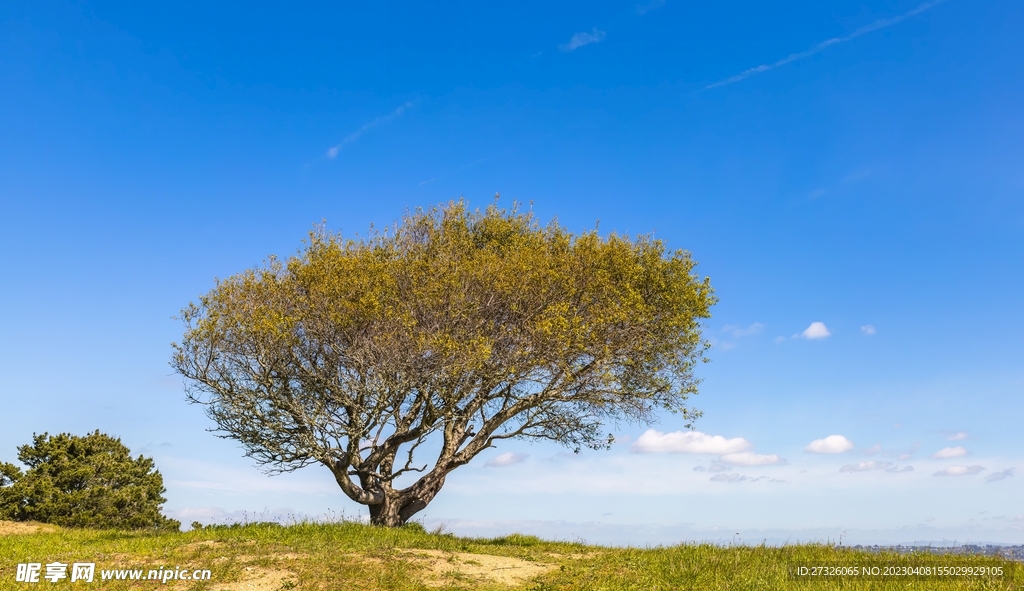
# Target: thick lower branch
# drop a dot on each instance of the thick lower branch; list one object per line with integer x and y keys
{"x": 361, "y": 495}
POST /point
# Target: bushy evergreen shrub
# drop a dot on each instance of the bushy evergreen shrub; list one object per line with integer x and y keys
{"x": 89, "y": 481}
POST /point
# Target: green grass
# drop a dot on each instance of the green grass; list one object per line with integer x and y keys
{"x": 357, "y": 556}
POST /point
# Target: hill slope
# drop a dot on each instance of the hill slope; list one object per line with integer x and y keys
{"x": 270, "y": 557}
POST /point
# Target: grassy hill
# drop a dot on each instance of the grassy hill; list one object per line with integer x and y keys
{"x": 353, "y": 556}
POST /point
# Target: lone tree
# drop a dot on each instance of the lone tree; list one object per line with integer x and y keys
{"x": 89, "y": 481}
{"x": 452, "y": 330}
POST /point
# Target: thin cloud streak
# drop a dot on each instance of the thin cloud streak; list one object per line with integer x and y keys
{"x": 333, "y": 151}
{"x": 879, "y": 24}
{"x": 642, "y": 9}
{"x": 580, "y": 39}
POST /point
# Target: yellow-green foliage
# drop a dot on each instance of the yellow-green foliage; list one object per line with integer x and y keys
{"x": 353, "y": 556}
{"x": 466, "y": 326}
{"x": 454, "y": 292}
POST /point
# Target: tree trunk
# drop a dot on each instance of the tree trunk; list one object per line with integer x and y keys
{"x": 397, "y": 508}
{"x": 395, "y": 511}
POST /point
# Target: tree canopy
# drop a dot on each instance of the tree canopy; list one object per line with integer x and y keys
{"x": 454, "y": 326}
{"x": 89, "y": 481}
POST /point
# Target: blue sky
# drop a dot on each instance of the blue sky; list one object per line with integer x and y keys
{"x": 854, "y": 164}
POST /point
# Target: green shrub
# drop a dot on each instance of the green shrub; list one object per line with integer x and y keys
{"x": 89, "y": 481}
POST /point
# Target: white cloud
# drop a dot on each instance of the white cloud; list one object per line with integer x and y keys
{"x": 868, "y": 329}
{"x": 506, "y": 459}
{"x": 958, "y": 436}
{"x": 996, "y": 476}
{"x": 817, "y": 330}
{"x": 950, "y": 452}
{"x": 689, "y": 442}
{"x": 333, "y": 151}
{"x": 833, "y": 444}
{"x": 746, "y": 458}
{"x": 959, "y": 471}
{"x": 580, "y": 39}
{"x": 874, "y": 449}
{"x": 739, "y": 331}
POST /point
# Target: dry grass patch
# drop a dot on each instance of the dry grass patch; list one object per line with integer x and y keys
{"x": 442, "y": 567}
{"x": 20, "y": 528}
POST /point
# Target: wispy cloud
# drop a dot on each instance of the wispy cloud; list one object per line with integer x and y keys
{"x": 960, "y": 436}
{"x": 997, "y": 476}
{"x": 865, "y": 466}
{"x": 739, "y": 478}
{"x": 879, "y": 24}
{"x": 333, "y": 151}
{"x": 959, "y": 471}
{"x": 580, "y": 39}
{"x": 748, "y": 458}
{"x": 868, "y": 329}
{"x": 875, "y": 465}
{"x": 739, "y": 331}
{"x": 506, "y": 459}
{"x": 713, "y": 468}
{"x": 643, "y": 9}
{"x": 728, "y": 478}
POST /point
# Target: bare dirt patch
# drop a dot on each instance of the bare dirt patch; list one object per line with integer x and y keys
{"x": 288, "y": 556}
{"x": 19, "y": 528}
{"x": 201, "y": 545}
{"x": 258, "y": 579}
{"x": 505, "y": 570}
